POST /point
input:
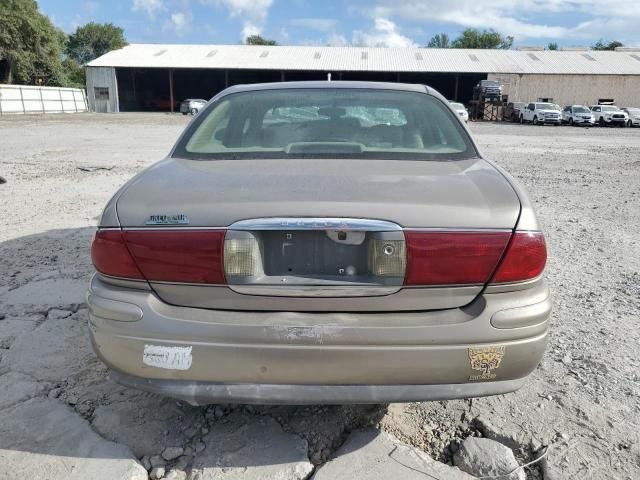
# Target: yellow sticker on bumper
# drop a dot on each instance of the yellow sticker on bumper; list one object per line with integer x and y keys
{"x": 484, "y": 360}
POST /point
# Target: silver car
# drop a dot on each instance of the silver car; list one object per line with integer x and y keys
{"x": 192, "y": 105}
{"x": 578, "y": 115}
{"x": 321, "y": 242}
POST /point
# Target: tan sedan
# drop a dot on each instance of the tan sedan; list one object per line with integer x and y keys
{"x": 321, "y": 242}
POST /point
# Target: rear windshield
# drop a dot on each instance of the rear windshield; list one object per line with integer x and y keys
{"x": 321, "y": 123}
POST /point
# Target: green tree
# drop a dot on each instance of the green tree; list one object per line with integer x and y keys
{"x": 600, "y": 45}
{"x": 75, "y": 73}
{"x": 30, "y": 46}
{"x": 552, "y": 46}
{"x": 474, "y": 38}
{"x": 94, "y": 40}
{"x": 440, "y": 40}
{"x": 258, "y": 40}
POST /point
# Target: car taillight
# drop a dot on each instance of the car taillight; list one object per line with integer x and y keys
{"x": 110, "y": 255}
{"x": 453, "y": 258}
{"x": 193, "y": 256}
{"x": 525, "y": 259}
{"x": 187, "y": 256}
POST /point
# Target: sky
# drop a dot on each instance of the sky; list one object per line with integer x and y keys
{"x": 390, "y": 23}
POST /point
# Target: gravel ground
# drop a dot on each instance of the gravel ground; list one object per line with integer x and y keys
{"x": 582, "y": 402}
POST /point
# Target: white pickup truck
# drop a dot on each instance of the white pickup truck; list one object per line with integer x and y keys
{"x": 609, "y": 115}
{"x": 540, "y": 113}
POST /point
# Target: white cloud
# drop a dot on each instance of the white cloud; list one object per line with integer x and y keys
{"x": 384, "y": 34}
{"x": 253, "y": 13}
{"x": 318, "y": 24}
{"x": 178, "y": 22}
{"x": 150, "y": 7}
{"x": 249, "y": 29}
{"x": 337, "y": 40}
{"x": 517, "y": 18}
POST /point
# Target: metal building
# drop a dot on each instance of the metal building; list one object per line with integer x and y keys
{"x": 156, "y": 77}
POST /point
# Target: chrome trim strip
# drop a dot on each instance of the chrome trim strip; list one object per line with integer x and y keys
{"x": 314, "y": 291}
{"x": 317, "y": 223}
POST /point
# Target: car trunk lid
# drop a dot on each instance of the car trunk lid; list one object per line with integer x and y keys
{"x": 323, "y": 217}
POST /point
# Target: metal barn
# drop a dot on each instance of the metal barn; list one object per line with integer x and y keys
{"x": 147, "y": 77}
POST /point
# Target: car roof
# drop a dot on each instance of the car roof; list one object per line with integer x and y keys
{"x": 408, "y": 87}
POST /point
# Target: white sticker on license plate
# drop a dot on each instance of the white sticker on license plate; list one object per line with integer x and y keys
{"x": 171, "y": 358}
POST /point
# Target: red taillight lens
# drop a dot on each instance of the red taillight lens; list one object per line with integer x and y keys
{"x": 525, "y": 258}
{"x": 110, "y": 255}
{"x": 188, "y": 256}
{"x": 453, "y": 258}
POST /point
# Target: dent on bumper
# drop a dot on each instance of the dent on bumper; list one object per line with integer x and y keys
{"x": 289, "y": 357}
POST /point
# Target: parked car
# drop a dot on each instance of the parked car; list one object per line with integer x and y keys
{"x": 192, "y": 105}
{"x": 488, "y": 89}
{"x": 274, "y": 257}
{"x": 513, "y": 110}
{"x": 609, "y": 115}
{"x": 578, "y": 115}
{"x": 634, "y": 116}
{"x": 460, "y": 110}
{"x": 540, "y": 113}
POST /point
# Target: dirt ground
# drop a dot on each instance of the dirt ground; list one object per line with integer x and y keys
{"x": 583, "y": 402}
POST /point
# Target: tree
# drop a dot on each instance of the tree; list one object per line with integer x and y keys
{"x": 94, "y": 40}
{"x": 474, "y": 38}
{"x": 76, "y": 77}
{"x": 258, "y": 40}
{"x": 600, "y": 45}
{"x": 30, "y": 46}
{"x": 440, "y": 40}
{"x": 552, "y": 46}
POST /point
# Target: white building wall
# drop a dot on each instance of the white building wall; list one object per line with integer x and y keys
{"x": 31, "y": 99}
{"x": 572, "y": 89}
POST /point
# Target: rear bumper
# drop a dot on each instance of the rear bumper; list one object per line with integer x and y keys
{"x": 202, "y": 393}
{"x": 289, "y": 357}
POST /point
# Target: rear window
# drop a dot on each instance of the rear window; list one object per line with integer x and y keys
{"x": 321, "y": 123}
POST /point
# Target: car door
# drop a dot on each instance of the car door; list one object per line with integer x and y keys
{"x": 528, "y": 113}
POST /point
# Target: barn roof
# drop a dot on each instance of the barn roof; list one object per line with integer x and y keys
{"x": 336, "y": 59}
